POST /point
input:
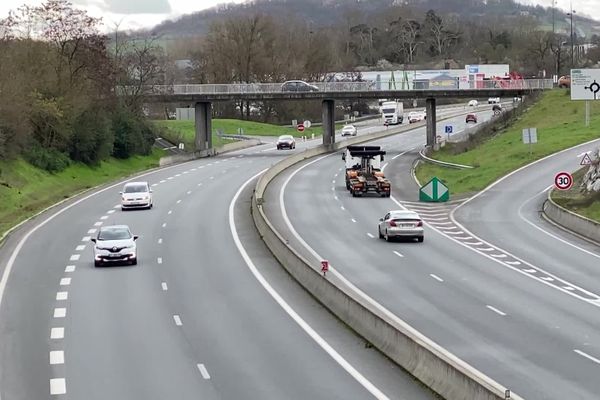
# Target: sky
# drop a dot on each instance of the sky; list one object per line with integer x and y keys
{"x": 134, "y": 14}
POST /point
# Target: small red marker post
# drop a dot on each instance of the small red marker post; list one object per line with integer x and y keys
{"x": 324, "y": 267}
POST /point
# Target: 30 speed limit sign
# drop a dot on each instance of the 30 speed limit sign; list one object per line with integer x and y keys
{"x": 563, "y": 181}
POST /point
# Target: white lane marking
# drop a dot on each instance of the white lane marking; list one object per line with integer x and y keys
{"x": 189, "y": 192}
{"x": 212, "y": 177}
{"x": 463, "y": 237}
{"x": 57, "y": 357}
{"x": 203, "y": 371}
{"x": 65, "y": 281}
{"x": 403, "y": 153}
{"x": 513, "y": 262}
{"x": 591, "y": 358}
{"x": 110, "y": 212}
{"x": 442, "y": 223}
{"x": 60, "y": 312}
{"x": 568, "y": 288}
{"x": 474, "y": 243}
{"x": 583, "y": 154}
{"x": 342, "y": 208}
{"x": 80, "y": 247}
{"x": 437, "y": 278}
{"x": 177, "y": 320}
{"x": 61, "y": 296}
{"x": 436, "y": 219}
{"x": 336, "y": 175}
{"x": 159, "y": 260}
{"x": 200, "y": 184}
{"x": 353, "y": 220}
{"x": 286, "y": 307}
{"x": 104, "y": 217}
{"x": 332, "y": 188}
{"x": 70, "y": 268}
{"x": 170, "y": 211}
{"x": 383, "y": 167}
{"x": 162, "y": 181}
{"x": 498, "y": 255}
{"x": 86, "y": 238}
{"x": 494, "y": 309}
{"x": 335, "y": 197}
{"x": 117, "y": 206}
{"x": 333, "y": 181}
{"x": 164, "y": 286}
{"x": 164, "y": 225}
{"x": 398, "y": 254}
{"x": 547, "y": 278}
{"x": 160, "y": 241}
{"x": 454, "y": 233}
{"x": 169, "y": 178}
{"x": 90, "y": 231}
{"x": 530, "y": 270}
{"x": 485, "y": 249}
{"x": 57, "y": 333}
{"x": 370, "y": 235}
{"x": 154, "y": 184}
{"x": 74, "y": 257}
{"x": 178, "y": 201}
{"x": 98, "y": 223}
{"x": 58, "y": 386}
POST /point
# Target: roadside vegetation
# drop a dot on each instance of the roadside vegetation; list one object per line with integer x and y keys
{"x": 586, "y": 204}
{"x": 26, "y": 189}
{"x": 560, "y": 124}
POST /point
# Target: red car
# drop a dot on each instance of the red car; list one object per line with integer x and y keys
{"x": 471, "y": 118}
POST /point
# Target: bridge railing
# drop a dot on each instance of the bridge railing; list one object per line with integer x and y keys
{"x": 336, "y": 87}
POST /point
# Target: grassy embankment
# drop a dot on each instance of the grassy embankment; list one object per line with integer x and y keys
{"x": 560, "y": 125}
{"x": 25, "y": 189}
{"x": 574, "y": 200}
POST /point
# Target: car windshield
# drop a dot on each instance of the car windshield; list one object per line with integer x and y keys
{"x": 114, "y": 234}
{"x": 285, "y": 138}
{"x": 135, "y": 189}
{"x": 389, "y": 110}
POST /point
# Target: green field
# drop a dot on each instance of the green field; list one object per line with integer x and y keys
{"x": 587, "y": 205}
{"x": 559, "y": 122}
{"x": 25, "y": 189}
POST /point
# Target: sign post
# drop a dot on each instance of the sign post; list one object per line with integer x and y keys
{"x": 448, "y": 129}
{"x": 324, "y": 267}
{"x": 563, "y": 181}
{"x": 529, "y": 137}
{"x": 434, "y": 191}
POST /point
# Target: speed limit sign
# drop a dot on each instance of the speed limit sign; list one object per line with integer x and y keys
{"x": 563, "y": 181}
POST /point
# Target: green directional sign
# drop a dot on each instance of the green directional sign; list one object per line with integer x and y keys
{"x": 434, "y": 191}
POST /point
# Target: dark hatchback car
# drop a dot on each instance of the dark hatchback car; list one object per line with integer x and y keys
{"x": 298, "y": 86}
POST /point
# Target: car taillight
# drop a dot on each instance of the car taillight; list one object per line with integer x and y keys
{"x": 393, "y": 223}
{"x": 419, "y": 223}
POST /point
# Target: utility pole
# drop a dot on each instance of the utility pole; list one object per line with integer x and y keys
{"x": 553, "y": 17}
{"x": 572, "y": 38}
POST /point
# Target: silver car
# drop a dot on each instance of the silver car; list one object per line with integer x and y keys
{"x": 349, "y": 130}
{"x": 115, "y": 244}
{"x": 401, "y": 224}
{"x": 136, "y": 195}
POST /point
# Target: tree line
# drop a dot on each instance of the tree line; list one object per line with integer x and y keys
{"x": 58, "y": 80}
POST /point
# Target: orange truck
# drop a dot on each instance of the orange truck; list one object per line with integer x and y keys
{"x": 363, "y": 171}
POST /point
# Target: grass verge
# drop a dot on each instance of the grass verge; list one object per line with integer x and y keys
{"x": 573, "y": 199}
{"x": 25, "y": 189}
{"x": 560, "y": 125}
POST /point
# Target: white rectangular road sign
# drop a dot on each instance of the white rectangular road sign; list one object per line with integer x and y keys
{"x": 529, "y": 135}
{"x": 585, "y": 84}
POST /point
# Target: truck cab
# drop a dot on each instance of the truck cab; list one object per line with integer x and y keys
{"x": 392, "y": 112}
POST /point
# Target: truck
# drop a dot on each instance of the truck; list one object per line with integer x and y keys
{"x": 363, "y": 171}
{"x": 392, "y": 112}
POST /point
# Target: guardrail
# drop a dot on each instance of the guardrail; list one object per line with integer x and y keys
{"x": 569, "y": 220}
{"x": 437, "y": 368}
{"x": 342, "y": 87}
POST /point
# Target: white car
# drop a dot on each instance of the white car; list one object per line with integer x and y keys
{"x": 494, "y": 100}
{"x": 349, "y": 130}
{"x": 136, "y": 195}
{"x": 416, "y": 116}
{"x": 114, "y": 244}
{"x": 401, "y": 224}
{"x": 473, "y": 103}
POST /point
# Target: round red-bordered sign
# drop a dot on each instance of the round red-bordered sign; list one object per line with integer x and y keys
{"x": 563, "y": 181}
{"x": 300, "y": 128}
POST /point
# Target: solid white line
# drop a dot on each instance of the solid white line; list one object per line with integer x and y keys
{"x": 568, "y": 288}
{"x": 57, "y": 357}
{"x": 92, "y": 231}
{"x": 286, "y": 307}
{"x": 61, "y": 296}
{"x": 398, "y": 254}
{"x": 60, "y": 312}
{"x": 70, "y": 268}
{"x": 74, "y": 257}
{"x": 80, "y": 247}
{"x": 160, "y": 241}
{"x": 437, "y": 278}
{"x": 177, "y": 320}
{"x": 164, "y": 286}
{"x": 104, "y": 217}
{"x": 581, "y": 353}
{"x": 57, "y": 333}
{"x": 58, "y": 386}
{"x": 159, "y": 260}
{"x": 65, "y": 281}
{"x": 86, "y": 238}
{"x": 203, "y": 371}
{"x": 494, "y": 309}
{"x": 98, "y": 223}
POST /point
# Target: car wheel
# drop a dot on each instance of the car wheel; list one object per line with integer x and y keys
{"x": 379, "y": 231}
{"x": 353, "y": 193}
{"x": 97, "y": 263}
{"x": 387, "y": 237}
{"x": 134, "y": 261}
{"x": 420, "y": 239}
{"x": 122, "y": 208}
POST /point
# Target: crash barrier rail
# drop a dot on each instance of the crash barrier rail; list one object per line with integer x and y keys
{"x": 442, "y": 163}
{"x": 338, "y": 87}
{"x": 437, "y": 368}
{"x": 569, "y": 220}
{"x": 179, "y": 158}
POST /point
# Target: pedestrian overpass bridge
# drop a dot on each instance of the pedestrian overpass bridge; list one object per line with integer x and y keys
{"x": 203, "y": 95}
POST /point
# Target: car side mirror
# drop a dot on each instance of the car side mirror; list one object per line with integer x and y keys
{"x": 135, "y": 237}
{"x": 120, "y": 192}
{"x": 93, "y": 240}
{"x": 380, "y": 219}
{"x": 150, "y": 191}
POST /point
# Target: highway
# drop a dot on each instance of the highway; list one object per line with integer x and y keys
{"x": 532, "y": 326}
{"x": 206, "y": 313}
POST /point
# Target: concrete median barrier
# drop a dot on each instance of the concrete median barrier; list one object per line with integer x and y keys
{"x": 571, "y": 221}
{"x": 444, "y": 373}
{"x": 179, "y": 158}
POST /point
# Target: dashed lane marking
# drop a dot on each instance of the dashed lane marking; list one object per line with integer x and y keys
{"x": 58, "y": 386}
{"x": 104, "y": 217}
{"x": 74, "y": 257}
{"x": 80, "y": 247}
{"x": 583, "y": 354}
{"x": 353, "y": 220}
{"x": 110, "y": 212}
{"x": 437, "y": 278}
{"x": 370, "y": 235}
{"x": 86, "y": 238}
{"x": 177, "y": 320}
{"x": 159, "y": 260}
{"x": 90, "y": 231}
{"x": 57, "y": 333}
{"x": 65, "y": 281}
{"x": 98, "y": 223}
{"x": 60, "y": 312}
{"x": 398, "y": 254}
{"x": 494, "y": 309}
{"x": 57, "y": 357}
{"x": 164, "y": 286}
{"x": 70, "y": 268}
{"x": 203, "y": 371}
{"x": 160, "y": 241}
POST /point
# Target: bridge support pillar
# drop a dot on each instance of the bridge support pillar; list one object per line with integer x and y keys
{"x": 203, "y": 124}
{"x": 431, "y": 122}
{"x": 328, "y": 122}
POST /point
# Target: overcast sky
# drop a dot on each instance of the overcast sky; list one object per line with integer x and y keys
{"x": 132, "y": 14}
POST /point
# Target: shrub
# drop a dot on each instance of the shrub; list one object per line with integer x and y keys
{"x": 92, "y": 139}
{"x": 131, "y": 133}
{"x": 49, "y": 159}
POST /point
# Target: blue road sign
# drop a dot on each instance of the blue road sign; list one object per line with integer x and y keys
{"x": 448, "y": 129}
